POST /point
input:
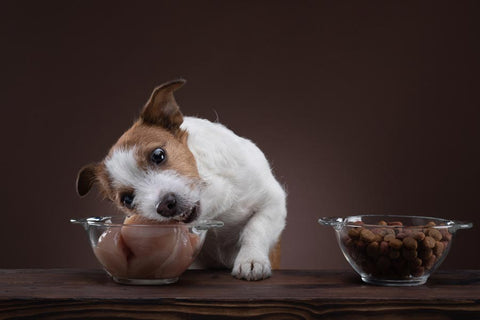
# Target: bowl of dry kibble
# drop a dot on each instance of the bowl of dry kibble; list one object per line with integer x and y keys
{"x": 394, "y": 250}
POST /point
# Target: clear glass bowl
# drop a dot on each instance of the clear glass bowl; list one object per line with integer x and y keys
{"x": 394, "y": 250}
{"x": 145, "y": 254}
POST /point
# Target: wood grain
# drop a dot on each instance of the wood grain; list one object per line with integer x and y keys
{"x": 200, "y": 294}
{"x": 275, "y": 256}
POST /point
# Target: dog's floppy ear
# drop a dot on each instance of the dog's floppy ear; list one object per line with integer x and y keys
{"x": 162, "y": 109}
{"x": 86, "y": 178}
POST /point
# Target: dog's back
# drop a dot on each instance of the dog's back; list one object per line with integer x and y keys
{"x": 238, "y": 184}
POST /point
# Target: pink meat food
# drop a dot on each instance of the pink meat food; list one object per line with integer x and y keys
{"x": 146, "y": 252}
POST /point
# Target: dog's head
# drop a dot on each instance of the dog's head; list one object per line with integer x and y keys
{"x": 150, "y": 170}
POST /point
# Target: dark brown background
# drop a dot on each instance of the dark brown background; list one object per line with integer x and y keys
{"x": 360, "y": 107}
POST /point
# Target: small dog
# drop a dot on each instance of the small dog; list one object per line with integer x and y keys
{"x": 167, "y": 166}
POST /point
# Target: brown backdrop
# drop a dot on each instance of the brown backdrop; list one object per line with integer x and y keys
{"x": 360, "y": 107}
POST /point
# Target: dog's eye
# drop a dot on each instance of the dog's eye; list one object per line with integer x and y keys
{"x": 158, "y": 156}
{"x": 127, "y": 200}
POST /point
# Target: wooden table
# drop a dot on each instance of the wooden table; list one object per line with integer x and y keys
{"x": 289, "y": 294}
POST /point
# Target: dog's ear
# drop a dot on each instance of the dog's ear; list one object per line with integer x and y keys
{"x": 86, "y": 178}
{"x": 162, "y": 109}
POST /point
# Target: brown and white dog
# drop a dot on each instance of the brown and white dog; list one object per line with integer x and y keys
{"x": 167, "y": 166}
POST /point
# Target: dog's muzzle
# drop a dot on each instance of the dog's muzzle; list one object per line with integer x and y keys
{"x": 169, "y": 207}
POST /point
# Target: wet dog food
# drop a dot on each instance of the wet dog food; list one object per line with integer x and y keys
{"x": 146, "y": 252}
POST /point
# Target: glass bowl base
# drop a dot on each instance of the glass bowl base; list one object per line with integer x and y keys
{"x": 394, "y": 283}
{"x": 145, "y": 282}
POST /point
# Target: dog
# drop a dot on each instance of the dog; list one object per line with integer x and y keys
{"x": 170, "y": 167}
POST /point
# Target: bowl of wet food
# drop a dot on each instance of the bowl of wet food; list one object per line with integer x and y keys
{"x": 394, "y": 250}
{"x": 136, "y": 250}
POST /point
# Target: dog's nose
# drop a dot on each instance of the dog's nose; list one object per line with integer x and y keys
{"x": 168, "y": 206}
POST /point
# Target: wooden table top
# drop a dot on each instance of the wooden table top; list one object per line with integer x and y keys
{"x": 207, "y": 294}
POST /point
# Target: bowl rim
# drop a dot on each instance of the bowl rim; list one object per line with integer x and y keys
{"x": 106, "y": 221}
{"x": 343, "y": 221}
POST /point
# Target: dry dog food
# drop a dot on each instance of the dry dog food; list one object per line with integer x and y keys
{"x": 146, "y": 252}
{"x": 395, "y": 251}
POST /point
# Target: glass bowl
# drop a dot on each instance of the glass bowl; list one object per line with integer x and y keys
{"x": 394, "y": 250}
{"x": 145, "y": 254}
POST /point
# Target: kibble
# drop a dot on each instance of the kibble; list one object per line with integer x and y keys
{"x": 379, "y": 231}
{"x": 394, "y": 254}
{"x": 419, "y": 236}
{"x": 389, "y": 237}
{"x": 373, "y": 250}
{"x": 367, "y": 235}
{"x": 393, "y": 250}
{"x": 438, "y": 249}
{"x": 434, "y": 233}
{"x": 428, "y": 263}
{"x": 396, "y": 244}
{"x": 354, "y": 233}
{"x": 395, "y": 223}
{"x": 425, "y": 253}
{"x": 360, "y": 244}
{"x": 378, "y": 238}
{"x": 402, "y": 235}
{"x": 410, "y": 243}
{"x": 418, "y": 271}
{"x": 384, "y": 247}
{"x": 446, "y": 235}
{"x": 428, "y": 242}
{"x": 415, "y": 262}
{"x": 409, "y": 254}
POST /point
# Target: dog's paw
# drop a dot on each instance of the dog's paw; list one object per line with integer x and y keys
{"x": 251, "y": 269}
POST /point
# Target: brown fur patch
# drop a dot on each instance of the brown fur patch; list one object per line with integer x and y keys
{"x": 147, "y": 138}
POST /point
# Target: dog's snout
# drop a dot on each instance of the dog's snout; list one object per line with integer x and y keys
{"x": 168, "y": 206}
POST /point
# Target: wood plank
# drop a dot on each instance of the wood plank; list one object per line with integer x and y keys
{"x": 200, "y": 294}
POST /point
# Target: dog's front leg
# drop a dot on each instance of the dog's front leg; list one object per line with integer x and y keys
{"x": 259, "y": 235}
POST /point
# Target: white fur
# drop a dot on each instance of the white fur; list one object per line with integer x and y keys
{"x": 240, "y": 190}
{"x": 123, "y": 168}
{"x": 150, "y": 186}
